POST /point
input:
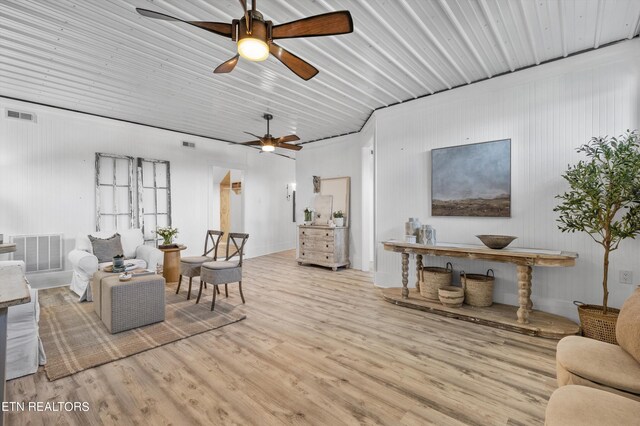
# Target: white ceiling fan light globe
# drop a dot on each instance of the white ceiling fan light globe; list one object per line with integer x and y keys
{"x": 268, "y": 148}
{"x": 253, "y": 49}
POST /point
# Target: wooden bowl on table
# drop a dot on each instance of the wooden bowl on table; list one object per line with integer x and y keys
{"x": 496, "y": 242}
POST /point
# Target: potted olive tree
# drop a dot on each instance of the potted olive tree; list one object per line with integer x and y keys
{"x": 603, "y": 201}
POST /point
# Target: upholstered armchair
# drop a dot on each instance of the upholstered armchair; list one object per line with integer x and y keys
{"x": 85, "y": 264}
{"x": 600, "y": 365}
{"x": 25, "y": 352}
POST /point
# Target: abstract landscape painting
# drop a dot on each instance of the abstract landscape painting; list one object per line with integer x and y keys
{"x": 472, "y": 180}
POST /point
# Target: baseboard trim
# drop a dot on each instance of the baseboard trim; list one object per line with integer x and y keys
{"x": 49, "y": 279}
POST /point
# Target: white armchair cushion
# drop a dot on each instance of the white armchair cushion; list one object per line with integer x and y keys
{"x": 151, "y": 255}
{"x": 130, "y": 239}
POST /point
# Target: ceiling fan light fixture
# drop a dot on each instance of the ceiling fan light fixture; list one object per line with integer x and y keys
{"x": 268, "y": 148}
{"x": 253, "y": 49}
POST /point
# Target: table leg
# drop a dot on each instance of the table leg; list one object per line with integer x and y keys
{"x": 524, "y": 293}
{"x": 171, "y": 267}
{"x": 405, "y": 275}
{"x": 418, "y": 269}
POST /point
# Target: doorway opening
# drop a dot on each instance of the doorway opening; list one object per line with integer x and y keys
{"x": 228, "y": 200}
{"x": 368, "y": 220}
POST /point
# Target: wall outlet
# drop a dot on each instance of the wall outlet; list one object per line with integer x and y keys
{"x": 626, "y": 277}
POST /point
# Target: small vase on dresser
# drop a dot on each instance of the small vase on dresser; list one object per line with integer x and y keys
{"x": 323, "y": 245}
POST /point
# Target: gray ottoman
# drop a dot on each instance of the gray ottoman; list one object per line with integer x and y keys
{"x": 131, "y": 304}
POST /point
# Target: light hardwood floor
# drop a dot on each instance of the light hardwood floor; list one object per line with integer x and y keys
{"x": 317, "y": 347}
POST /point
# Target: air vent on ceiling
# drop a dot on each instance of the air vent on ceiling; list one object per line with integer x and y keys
{"x": 21, "y": 115}
{"x": 188, "y": 144}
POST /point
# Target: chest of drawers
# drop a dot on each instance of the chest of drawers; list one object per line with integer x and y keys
{"x": 323, "y": 245}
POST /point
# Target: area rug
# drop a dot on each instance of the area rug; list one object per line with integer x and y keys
{"x": 75, "y": 339}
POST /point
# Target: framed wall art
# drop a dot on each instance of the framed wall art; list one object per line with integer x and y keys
{"x": 472, "y": 180}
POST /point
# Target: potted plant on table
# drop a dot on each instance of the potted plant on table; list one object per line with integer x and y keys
{"x": 604, "y": 202}
{"x": 338, "y": 218}
{"x": 167, "y": 233}
{"x": 308, "y": 216}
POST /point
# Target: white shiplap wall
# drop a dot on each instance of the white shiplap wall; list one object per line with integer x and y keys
{"x": 48, "y": 178}
{"x": 337, "y": 157}
{"x": 546, "y": 111}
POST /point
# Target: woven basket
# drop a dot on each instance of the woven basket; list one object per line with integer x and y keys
{"x": 597, "y": 325}
{"x": 478, "y": 289}
{"x": 433, "y": 278}
{"x": 451, "y": 296}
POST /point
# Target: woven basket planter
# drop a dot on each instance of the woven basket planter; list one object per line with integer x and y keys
{"x": 434, "y": 278}
{"x": 597, "y": 325}
{"x": 451, "y": 296}
{"x": 478, "y": 289}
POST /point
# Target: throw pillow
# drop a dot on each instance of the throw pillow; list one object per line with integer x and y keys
{"x": 628, "y": 326}
{"x": 105, "y": 249}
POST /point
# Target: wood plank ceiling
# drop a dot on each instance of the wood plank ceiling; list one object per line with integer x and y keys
{"x": 101, "y": 57}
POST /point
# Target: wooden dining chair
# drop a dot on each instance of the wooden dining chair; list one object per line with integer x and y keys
{"x": 225, "y": 271}
{"x": 190, "y": 265}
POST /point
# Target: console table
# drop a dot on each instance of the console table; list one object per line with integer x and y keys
{"x": 523, "y": 258}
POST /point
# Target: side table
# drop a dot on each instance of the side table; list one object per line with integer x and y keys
{"x": 171, "y": 267}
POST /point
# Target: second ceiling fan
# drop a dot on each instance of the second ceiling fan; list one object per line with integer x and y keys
{"x": 255, "y": 36}
{"x": 269, "y": 144}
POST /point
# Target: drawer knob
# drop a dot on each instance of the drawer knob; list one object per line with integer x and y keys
{"x": 327, "y": 234}
{"x": 303, "y": 243}
{"x": 327, "y": 245}
{"x": 327, "y": 257}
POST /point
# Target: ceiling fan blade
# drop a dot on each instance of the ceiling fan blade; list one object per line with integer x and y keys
{"x": 303, "y": 69}
{"x": 219, "y": 28}
{"x": 252, "y": 143}
{"x": 289, "y": 138}
{"x": 227, "y": 66}
{"x": 291, "y": 147}
{"x": 256, "y": 136}
{"x": 156, "y": 15}
{"x": 332, "y": 23}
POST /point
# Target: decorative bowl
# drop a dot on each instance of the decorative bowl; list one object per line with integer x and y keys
{"x": 496, "y": 242}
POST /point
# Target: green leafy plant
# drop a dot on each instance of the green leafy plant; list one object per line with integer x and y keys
{"x": 604, "y": 195}
{"x": 308, "y": 214}
{"x": 338, "y": 214}
{"x": 167, "y": 233}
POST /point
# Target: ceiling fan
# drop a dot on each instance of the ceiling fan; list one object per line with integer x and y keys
{"x": 255, "y": 36}
{"x": 268, "y": 143}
